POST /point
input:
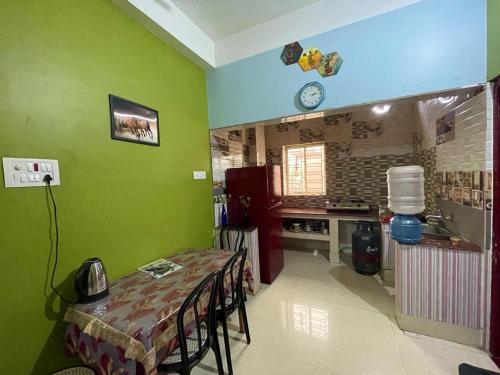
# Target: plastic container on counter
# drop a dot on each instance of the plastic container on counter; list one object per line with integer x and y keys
{"x": 405, "y": 187}
{"x": 406, "y": 196}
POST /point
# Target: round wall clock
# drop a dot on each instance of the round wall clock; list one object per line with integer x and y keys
{"x": 311, "y": 95}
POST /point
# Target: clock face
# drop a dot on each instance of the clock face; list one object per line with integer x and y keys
{"x": 311, "y": 95}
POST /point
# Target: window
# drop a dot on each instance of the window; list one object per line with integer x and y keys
{"x": 304, "y": 169}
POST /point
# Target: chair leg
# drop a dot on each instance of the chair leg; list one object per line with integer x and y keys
{"x": 218, "y": 357}
{"x": 245, "y": 320}
{"x": 227, "y": 346}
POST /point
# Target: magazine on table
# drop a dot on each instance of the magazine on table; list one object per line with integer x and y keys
{"x": 160, "y": 268}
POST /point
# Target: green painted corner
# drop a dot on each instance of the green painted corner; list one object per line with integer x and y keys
{"x": 126, "y": 203}
{"x": 493, "y": 39}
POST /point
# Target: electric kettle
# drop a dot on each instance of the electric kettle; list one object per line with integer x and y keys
{"x": 91, "y": 281}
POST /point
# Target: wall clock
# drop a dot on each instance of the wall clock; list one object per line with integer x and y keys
{"x": 311, "y": 95}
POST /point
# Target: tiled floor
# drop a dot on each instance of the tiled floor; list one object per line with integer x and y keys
{"x": 313, "y": 320}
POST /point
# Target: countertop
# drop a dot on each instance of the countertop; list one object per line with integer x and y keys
{"x": 373, "y": 214}
{"x": 297, "y": 211}
{"x": 247, "y": 229}
{"x": 443, "y": 244}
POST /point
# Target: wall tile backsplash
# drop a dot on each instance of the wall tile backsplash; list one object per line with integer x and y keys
{"x": 461, "y": 165}
{"x": 230, "y": 149}
{"x": 359, "y": 148}
{"x": 367, "y": 129}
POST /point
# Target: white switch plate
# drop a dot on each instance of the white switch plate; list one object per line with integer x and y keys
{"x": 199, "y": 175}
{"x": 29, "y": 172}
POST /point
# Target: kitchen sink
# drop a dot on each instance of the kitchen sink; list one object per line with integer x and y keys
{"x": 435, "y": 231}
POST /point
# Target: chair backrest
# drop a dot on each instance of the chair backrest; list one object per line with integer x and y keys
{"x": 79, "y": 370}
{"x": 199, "y": 307}
{"x": 231, "y": 237}
{"x": 232, "y": 277}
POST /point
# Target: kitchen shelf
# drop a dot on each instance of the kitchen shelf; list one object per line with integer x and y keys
{"x": 306, "y": 235}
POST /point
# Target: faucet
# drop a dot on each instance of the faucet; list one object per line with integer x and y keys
{"x": 439, "y": 217}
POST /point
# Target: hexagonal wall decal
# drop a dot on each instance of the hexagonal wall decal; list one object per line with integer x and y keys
{"x": 330, "y": 64}
{"x": 291, "y": 53}
{"x": 310, "y": 59}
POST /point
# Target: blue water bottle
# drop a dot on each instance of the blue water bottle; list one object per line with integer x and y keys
{"x": 406, "y": 198}
{"x": 223, "y": 216}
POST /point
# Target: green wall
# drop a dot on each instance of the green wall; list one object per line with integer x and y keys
{"x": 493, "y": 38}
{"x": 126, "y": 203}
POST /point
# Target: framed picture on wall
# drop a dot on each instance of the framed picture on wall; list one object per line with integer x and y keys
{"x": 444, "y": 192}
{"x": 451, "y": 193}
{"x": 445, "y": 128}
{"x": 488, "y": 200}
{"x": 477, "y": 180}
{"x": 467, "y": 179}
{"x": 477, "y": 199}
{"x": 467, "y": 197}
{"x": 488, "y": 180}
{"x": 133, "y": 122}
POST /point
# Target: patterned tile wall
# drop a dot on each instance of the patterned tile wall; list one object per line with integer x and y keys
{"x": 230, "y": 149}
{"x": 470, "y": 151}
{"x": 359, "y": 148}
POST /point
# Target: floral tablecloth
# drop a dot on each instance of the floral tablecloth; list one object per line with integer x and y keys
{"x": 135, "y": 327}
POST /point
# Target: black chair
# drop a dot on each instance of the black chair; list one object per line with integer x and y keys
{"x": 79, "y": 370}
{"x": 201, "y": 328}
{"x": 232, "y": 298}
{"x": 465, "y": 369}
{"x": 225, "y": 233}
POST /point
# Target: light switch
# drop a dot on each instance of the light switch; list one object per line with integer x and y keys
{"x": 199, "y": 175}
{"x": 29, "y": 172}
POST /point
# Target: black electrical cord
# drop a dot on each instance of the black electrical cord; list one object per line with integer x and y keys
{"x": 47, "y": 179}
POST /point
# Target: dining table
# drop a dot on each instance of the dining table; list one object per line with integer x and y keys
{"x": 134, "y": 328}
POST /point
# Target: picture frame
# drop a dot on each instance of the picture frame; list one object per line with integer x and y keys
{"x": 488, "y": 200}
{"x": 467, "y": 196}
{"x": 477, "y": 180}
{"x": 488, "y": 180}
{"x": 450, "y": 178}
{"x": 445, "y": 128}
{"x": 477, "y": 199}
{"x": 459, "y": 178}
{"x": 467, "y": 179}
{"x": 439, "y": 178}
{"x": 133, "y": 122}
{"x": 451, "y": 193}
{"x": 458, "y": 195}
{"x": 444, "y": 192}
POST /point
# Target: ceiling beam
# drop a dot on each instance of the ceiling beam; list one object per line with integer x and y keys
{"x": 170, "y": 24}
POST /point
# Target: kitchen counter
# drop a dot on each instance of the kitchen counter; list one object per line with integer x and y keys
{"x": 301, "y": 211}
{"x": 438, "y": 289}
{"x": 333, "y": 224}
{"x": 443, "y": 244}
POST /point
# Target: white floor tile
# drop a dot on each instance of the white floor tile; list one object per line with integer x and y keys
{"x": 317, "y": 319}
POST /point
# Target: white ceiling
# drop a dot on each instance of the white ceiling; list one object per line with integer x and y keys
{"x": 213, "y": 33}
{"x": 221, "y": 18}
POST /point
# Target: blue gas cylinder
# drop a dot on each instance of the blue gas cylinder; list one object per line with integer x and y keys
{"x": 406, "y": 229}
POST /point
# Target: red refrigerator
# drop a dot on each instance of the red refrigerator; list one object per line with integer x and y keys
{"x": 263, "y": 185}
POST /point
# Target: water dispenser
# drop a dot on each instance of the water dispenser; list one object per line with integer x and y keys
{"x": 406, "y": 199}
